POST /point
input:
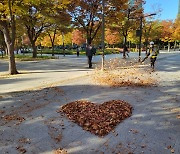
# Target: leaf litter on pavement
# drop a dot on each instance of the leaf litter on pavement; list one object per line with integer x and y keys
{"x": 98, "y": 119}
{"x": 119, "y": 72}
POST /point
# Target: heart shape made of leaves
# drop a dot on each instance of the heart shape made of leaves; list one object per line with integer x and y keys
{"x": 98, "y": 119}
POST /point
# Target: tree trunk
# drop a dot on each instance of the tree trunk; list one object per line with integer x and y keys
{"x": 89, "y": 40}
{"x": 12, "y": 64}
{"x": 169, "y": 47}
{"x": 146, "y": 46}
{"x": 129, "y": 45}
{"x": 175, "y": 45}
{"x": 10, "y": 50}
{"x": 53, "y": 49}
{"x": 125, "y": 43}
{"x": 6, "y": 51}
{"x": 34, "y": 49}
{"x": 136, "y": 47}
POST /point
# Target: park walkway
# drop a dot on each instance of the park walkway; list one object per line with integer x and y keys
{"x": 30, "y": 122}
{"x": 39, "y": 74}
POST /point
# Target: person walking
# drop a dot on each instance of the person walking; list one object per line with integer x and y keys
{"x": 77, "y": 50}
{"x": 126, "y": 51}
{"x": 90, "y": 51}
{"x": 153, "y": 53}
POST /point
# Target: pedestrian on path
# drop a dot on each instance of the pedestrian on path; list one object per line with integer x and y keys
{"x": 77, "y": 50}
{"x": 152, "y": 53}
{"x": 90, "y": 51}
{"x": 126, "y": 51}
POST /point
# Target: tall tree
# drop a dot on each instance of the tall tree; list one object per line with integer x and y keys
{"x": 87, "y": 14}
{"x": 176, "y": 31}
{"x": 37, "y": 16}
{"x": 127, "y": 19}
{"x": 151, "y": 31}
{"x": 8, "y": 10}
{"x": 34, "y": 20}
{"x": 167, "y": 32}
{"x": 59, "y": 21}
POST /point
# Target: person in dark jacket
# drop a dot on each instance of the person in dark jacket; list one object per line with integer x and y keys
{"x": 90, "y": 51}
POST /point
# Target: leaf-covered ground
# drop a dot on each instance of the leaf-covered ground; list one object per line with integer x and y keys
{"x": 98, "y": 119}
{"x": 119, "y": 72}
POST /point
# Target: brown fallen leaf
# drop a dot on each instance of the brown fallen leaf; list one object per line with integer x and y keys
{"x": 60, "y": 151}
{"x": 21, "y": 149}
{"x": 169, "y": 147}
{"x": 98, "y": 119}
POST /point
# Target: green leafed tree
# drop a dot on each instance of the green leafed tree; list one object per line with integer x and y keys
{"x": 8, "y": 14}
{"x": 37, "y": 17}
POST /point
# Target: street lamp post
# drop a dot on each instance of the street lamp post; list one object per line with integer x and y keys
{"x": 140, "y": 38}
{"x": 103, "y": 34}
{"x": 63, "y": 44}
{"x": 140, "y": 32}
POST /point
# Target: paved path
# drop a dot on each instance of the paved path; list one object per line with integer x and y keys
{"x": 37, "y": 74}
{"x": 29, "y": 121}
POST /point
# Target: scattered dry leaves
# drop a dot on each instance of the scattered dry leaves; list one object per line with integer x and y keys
{"x": 98, "y": 119}
{"x": 21, "y": 149}
{"x": 119, "y": 72}
{"x": 2, "y": 111}
{"x": 134, "y": 131}
{"x": 13, "y": 117}
{"x": 24, "y": 140}
{"x": 60, "y": 151}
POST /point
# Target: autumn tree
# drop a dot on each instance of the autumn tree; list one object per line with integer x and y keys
{"x": 87, "y": 14}
{"x": 34, "y": 20}
{"x": 37, "y": 16}
{"x": 78, "y": 37}
{"x": 8, "y": 14}
{"x": 127, "y": 19}
{"x": 176, "y": 31}
{"x": 151, "y": 31}
{"x": 59, "y": 21}
{"x": 167, "y": 31}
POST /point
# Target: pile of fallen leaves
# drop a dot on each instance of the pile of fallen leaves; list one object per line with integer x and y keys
{"x": 13, "y": 117}
{"x": 98, "y": 119}
{"x": 119, "y": 72}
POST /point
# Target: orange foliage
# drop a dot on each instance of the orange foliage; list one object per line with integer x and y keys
{"x": 176, "y": 34}
{"x": 167, "y": 30}
{"x": 112, "y": 37}
{"x": 77, "y": 37}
